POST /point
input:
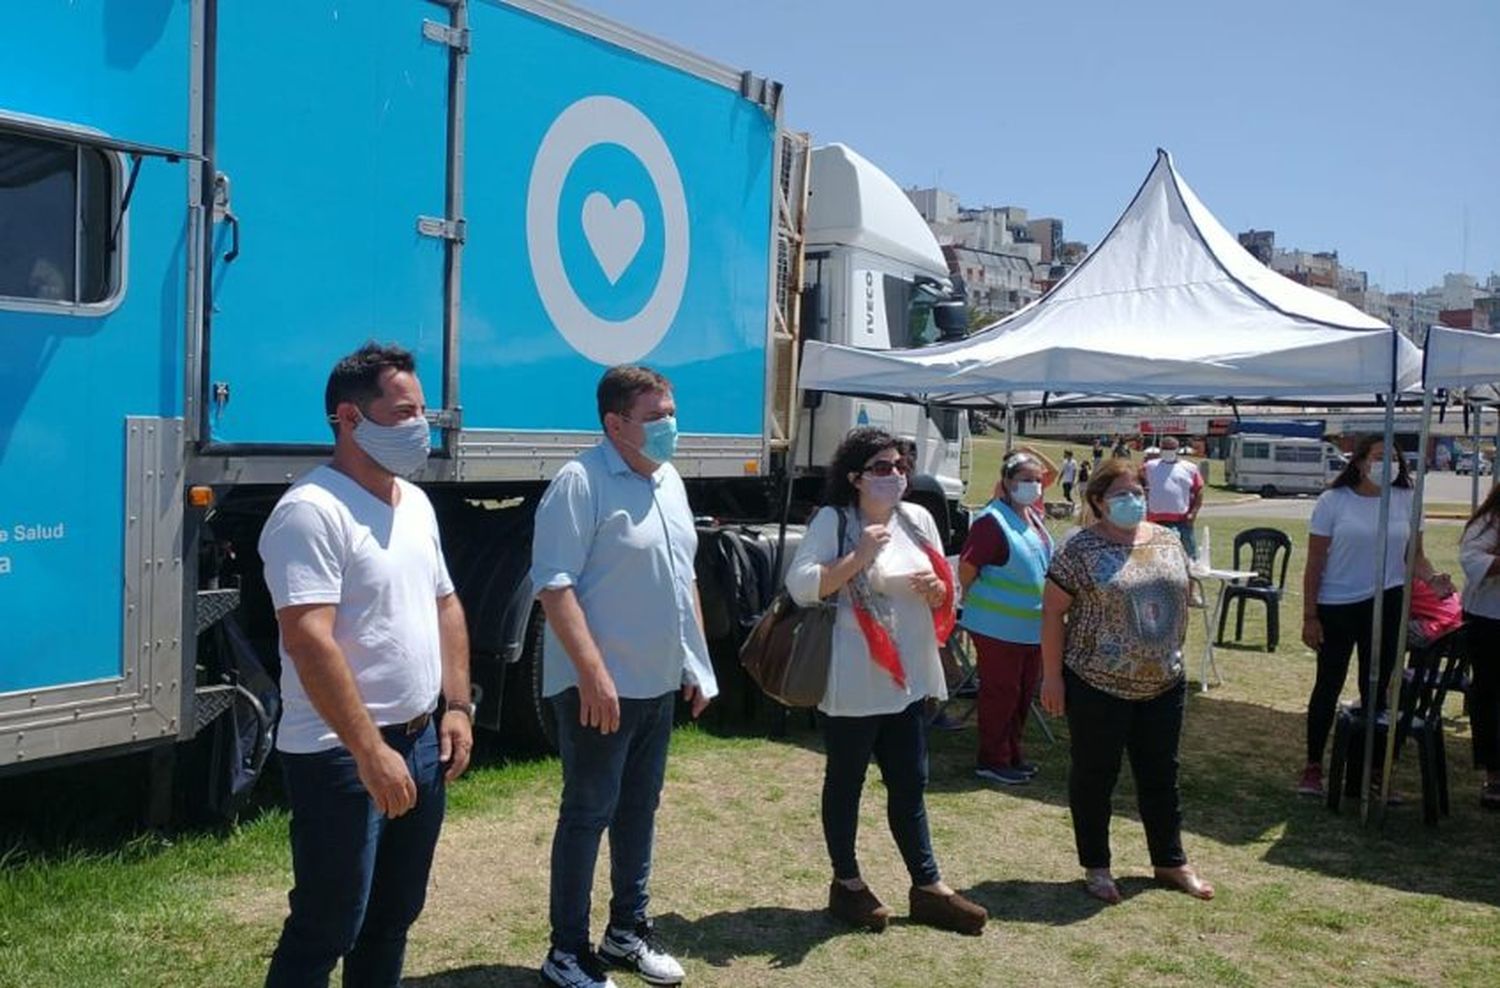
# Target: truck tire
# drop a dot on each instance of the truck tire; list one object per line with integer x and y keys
{"x": 1268, "y": 490}
{"x": 527, "y": 720}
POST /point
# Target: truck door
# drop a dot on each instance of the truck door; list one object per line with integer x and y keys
{"x": 92, "y": 302}
{"x": 330, "y": 124}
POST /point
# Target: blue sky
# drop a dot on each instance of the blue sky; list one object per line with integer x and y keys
{"x": 1363, "y": 127}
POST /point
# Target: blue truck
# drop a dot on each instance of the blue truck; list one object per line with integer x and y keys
{"x": 204, "y": 204}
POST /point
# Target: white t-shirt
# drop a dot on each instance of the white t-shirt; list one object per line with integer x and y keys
{"x": 1352, "y": 521}
{"x": 330, "y": 541}
{"x": 1170, "y": 488}
{"x": 857, "y": 687}
{"x": 1068, "y": 471}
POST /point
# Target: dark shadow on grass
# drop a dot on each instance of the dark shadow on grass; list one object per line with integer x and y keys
{"x": 785, "y": 936}
{"x": 477, "y": 976}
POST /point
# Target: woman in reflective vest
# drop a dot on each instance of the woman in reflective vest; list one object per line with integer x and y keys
{"x": 1002, "y": 568}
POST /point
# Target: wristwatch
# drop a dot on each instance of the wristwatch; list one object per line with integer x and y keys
{"x": 462, "y": 706}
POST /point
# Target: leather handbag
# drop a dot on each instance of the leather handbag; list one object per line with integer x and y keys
{"x": 788, "y": 652}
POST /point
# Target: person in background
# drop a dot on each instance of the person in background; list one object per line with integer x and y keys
{"x": 1084, "y": 469}
{"x": 1068, "y": 475}
{"x": 1479, "y": 556}
{"x": 895, "y": 605}
{"x": 1098, "y": 451}
{"x": 1114, "y": 616}
{"x": 1122, "y": 449}
{"x": 1340, "y": 584}
{"x": 1002, "y": 568}
{"x": 1174, "y": 493}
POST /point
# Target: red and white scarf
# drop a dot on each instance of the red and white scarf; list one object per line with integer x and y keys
{"x": 873, "y": 612}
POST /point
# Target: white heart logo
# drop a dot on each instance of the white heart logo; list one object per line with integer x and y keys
{"x": 615, "y": 232}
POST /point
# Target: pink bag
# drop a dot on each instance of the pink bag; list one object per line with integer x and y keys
{"x": 1432, "y": 616}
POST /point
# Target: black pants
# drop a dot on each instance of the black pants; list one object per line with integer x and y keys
{"x": 1346, "y": 628}
{"x": 899, "y": 743}
{"x": 1484, "y": 691}
{"x": 1068, "y": 491}
{"x": 1101, "y": 727}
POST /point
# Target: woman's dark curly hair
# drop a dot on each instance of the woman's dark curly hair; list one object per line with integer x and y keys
{"x": 853, "y": 453}
{"x": 1351, "y": 475}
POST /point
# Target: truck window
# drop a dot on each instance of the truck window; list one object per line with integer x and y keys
{"x": 57, "y": 212}
{"x": 909, "y": 312}
{"x": 1255, "y": 451}
{"x": 1298, "y": 454}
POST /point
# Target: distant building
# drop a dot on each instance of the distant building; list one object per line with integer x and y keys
{"x": 995, "y": 285}
{"x": 1048, "y": 235}
{"x": 1459, "y": 291}
{"x": 1260, "y": 243}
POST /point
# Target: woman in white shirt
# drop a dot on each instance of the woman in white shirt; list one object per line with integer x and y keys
{"x": 895, "y": 602}
{"x": 1339, "y": 587}
{"x": 1479, "y": 555}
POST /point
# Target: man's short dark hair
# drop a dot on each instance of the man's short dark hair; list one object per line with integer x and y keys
{"x": 356, "y": 377}
{"x": 621, "y": 384}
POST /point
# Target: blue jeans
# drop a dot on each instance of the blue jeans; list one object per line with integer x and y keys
{"x": 899, "y": 743}
{"x": 1185, "y": 530}
{"x": 360, "y": 879}
{"x": 610, "y": 781}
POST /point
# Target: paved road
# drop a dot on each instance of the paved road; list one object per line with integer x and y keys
{"x": 1444, "y": 488}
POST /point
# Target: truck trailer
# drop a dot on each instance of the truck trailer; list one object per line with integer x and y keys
{"x": 203, "y": 205}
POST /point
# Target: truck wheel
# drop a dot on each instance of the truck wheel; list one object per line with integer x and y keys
{"x": 1269, "y": 490}
{"x": 527, "y": 718}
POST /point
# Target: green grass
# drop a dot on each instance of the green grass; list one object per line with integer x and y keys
{"x": 1306, "y": 897}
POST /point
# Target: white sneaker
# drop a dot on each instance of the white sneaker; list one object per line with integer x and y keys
{"x": 640, "y": 951}
{"x": 567, "y": 970}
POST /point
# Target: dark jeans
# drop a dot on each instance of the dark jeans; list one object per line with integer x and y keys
{"x": 360, "y": 879}
{"x": 1184, "y": 530}
{"x": 899, "y": 743}
{"x": 610, "y": 781}
{"x": 1346, "y": 628}
{"x": 1068, "y": 491}
{"x": 1101, "y": 727}
{"x": 1484, "y": 691}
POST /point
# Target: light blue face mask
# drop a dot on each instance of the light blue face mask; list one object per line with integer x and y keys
{"x": 1126, "y": 510}
{"x": 661, "y": 439}
{"x": 1381, "y": 472}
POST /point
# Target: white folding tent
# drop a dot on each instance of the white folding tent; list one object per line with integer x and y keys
{"x": 1167, "y": 305}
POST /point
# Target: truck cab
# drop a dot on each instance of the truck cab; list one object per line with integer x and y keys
{"x": 876, "y": 278}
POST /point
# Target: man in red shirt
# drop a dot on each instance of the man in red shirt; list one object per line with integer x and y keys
{"x": 1174, "y": 493}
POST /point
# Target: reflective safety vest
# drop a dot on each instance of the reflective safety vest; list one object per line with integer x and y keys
{"x": 1005, "y": 602}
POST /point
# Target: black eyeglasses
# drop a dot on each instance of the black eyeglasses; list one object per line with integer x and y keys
{"x": 884, "y": 468}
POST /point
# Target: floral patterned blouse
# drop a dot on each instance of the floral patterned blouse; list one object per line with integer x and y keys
{"x": 1128, "y": 619}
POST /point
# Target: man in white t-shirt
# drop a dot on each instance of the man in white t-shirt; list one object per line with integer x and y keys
{"x": 1067, "y": 475}
{"x": 1174, "y": 493}
{"x": 375, "y": 679}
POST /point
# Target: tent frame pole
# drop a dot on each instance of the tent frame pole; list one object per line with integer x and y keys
{"x": 1010, "y": 423}
{"x": 1476, "y": 429}
{"x": 1393, "y": 691}
{"x": 1372, "y": 686}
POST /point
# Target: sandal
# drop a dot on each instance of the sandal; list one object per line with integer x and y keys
{"x": 1100, "y": 884}
{"x": 1185, "y": 879}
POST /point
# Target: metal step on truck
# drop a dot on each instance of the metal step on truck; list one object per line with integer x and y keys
{"x": 203, "y": 204}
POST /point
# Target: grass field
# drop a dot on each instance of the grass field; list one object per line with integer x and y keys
{"x": 1305, "y": 897}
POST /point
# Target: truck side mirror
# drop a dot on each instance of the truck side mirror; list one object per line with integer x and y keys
{"x": 952, "y": 319}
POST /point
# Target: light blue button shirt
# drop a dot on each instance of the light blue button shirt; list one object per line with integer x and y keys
{"x": 625, "y": 544}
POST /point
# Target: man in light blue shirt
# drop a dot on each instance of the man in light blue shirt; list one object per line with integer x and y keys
{"x": 612, "y": 563}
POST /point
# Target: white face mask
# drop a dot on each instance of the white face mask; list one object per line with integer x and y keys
{"x": 401, "y": 448}
{"x": 1026, "y": 492}
{"x": 1169, "y": 456}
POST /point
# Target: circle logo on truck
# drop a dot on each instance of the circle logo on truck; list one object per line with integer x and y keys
{"x": 614, "y": 230}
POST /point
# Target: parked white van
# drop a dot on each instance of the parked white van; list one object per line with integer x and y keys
{"x": 1275, "y": 465}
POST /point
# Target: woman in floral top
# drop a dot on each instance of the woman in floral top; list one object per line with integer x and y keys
{"x": 1114, "y": 614}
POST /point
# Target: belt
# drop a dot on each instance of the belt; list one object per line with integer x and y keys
{"x": 416, "y": 725}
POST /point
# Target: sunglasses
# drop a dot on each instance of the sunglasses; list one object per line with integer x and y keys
{"x": 884, "y": 468}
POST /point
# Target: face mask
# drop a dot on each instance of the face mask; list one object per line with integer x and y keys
{"x": 1126, "y": 510}
{"x": 661, "y": 439}
{"x": 401, "y": 448}
{"x": 1026, "y": 493}
{"x": 1380, "y": 472}
{"x": 1169, "y": 456}
{"x": 884, "y": 491}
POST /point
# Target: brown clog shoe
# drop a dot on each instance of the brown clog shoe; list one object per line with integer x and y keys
{"x": 948, "y": 912}
{"x": 858, "y": 907}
